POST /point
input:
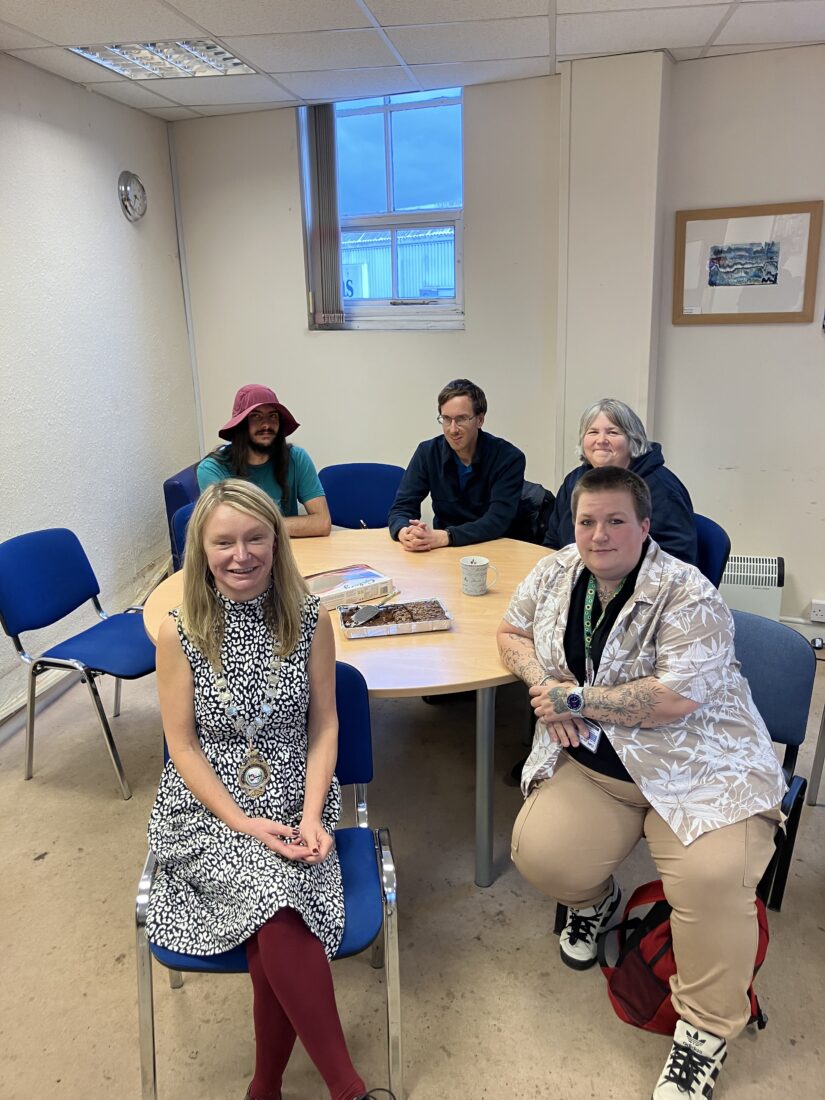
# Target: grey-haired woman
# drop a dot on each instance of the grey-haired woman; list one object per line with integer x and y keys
{"x": 611, "y": 434}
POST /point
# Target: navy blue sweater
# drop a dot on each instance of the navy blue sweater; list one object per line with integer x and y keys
{"x": 487, "y": 508}
{"x": 671, "y": 520}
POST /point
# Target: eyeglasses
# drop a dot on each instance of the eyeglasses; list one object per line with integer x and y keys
{"x": 258, "y": 417}
{"x": 459, "y": 421}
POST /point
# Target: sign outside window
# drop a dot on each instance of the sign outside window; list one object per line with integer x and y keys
{"x": 355, "y": 281}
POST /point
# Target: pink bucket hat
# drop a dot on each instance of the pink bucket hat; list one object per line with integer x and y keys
{"x": 250, "y": 397}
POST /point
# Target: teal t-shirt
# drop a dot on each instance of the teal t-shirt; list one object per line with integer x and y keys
{"x": 303, "y": 479}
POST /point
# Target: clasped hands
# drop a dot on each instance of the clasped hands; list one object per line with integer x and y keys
{"x": 417, "y": 537}
{"x": 308, "y": 841}
{"x": 549, "y": 706}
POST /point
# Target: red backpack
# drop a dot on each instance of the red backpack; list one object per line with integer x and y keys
{"x": 638, "y": 982}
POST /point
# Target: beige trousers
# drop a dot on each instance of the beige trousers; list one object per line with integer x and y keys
{"x": 578, "y": 826}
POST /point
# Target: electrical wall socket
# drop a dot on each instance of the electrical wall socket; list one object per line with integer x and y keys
{"x": 818, "y": 611}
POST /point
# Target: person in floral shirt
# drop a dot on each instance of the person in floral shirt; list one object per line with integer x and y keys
{"x": 646, "y": 727}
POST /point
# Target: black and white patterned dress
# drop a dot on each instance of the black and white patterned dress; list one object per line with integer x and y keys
{"x": 214, "y": 887}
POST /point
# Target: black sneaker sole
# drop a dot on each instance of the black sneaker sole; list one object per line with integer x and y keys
{"x": 576, "y": 964}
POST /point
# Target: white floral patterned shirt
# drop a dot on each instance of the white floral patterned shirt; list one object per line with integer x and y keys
{"x": 712, "y": 768}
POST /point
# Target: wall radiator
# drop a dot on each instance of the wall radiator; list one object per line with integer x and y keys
{"x": 754, "y": 584}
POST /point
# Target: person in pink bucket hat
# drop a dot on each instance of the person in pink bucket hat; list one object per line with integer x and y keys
{"x": 257, "y": 451}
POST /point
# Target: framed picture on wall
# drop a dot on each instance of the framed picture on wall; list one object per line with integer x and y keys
{"x": 746, "y": 265}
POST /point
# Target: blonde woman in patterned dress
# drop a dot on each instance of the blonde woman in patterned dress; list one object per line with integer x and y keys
{"x": 646, "y": 727}
{"x": 245, "y": 815}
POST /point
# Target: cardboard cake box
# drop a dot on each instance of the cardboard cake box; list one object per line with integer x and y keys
{"x": 410, "y": 617}
{"x": 349, "y": 584}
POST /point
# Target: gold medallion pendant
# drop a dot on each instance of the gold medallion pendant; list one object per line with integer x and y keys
{"x": 254, "y": 774}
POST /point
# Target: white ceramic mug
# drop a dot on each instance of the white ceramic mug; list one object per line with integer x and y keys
{"x": 474, "y": 575}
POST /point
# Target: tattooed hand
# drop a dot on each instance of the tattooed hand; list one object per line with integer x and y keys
{"x": 550, "y": 707}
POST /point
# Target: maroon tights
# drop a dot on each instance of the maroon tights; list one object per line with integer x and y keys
{"x": 294, "y": 996}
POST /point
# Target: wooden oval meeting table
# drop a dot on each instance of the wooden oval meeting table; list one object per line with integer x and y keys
{"x": 460, "y": 659}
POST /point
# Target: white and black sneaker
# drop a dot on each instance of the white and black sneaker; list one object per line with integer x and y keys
{"x": 577, "y": 942}
{"x": 692, "y": 1066}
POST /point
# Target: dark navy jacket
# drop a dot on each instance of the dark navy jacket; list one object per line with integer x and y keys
{"x": 671, "y": 520}
{"x": 488, "y": 506}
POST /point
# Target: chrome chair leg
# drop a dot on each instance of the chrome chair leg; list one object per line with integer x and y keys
{"x": 393, "y": 980}
{"x": 116, "y": 708}
{"x": 361, "y": 816}
{"x": 28, "y": 769}
{"x": 145, "y": 999}
{"x": 816, "y": 767}
{"x": 393, "y": 973}
{"x": 107, "y": 736}
{"x": 175, "y": 979}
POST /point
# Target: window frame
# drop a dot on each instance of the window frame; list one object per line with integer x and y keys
{"x": 406, "y": 313}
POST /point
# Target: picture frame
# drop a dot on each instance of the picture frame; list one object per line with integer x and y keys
{"x": 747, "y": 265}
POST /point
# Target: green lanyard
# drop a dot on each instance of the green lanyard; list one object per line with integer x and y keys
{"x": 589, "y": 629}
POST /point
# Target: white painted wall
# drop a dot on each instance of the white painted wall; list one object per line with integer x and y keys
{"x": 372, "y": 395}
{"x": 740, "y": 407}
{"x": 97, "y": 393}
{"x": 611, "y": 236}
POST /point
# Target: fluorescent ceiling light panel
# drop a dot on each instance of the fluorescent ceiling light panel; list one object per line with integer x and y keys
{"x": 156, "y": 60}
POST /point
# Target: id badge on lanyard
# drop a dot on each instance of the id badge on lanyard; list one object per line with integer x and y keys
{"x": 591, "y": 739}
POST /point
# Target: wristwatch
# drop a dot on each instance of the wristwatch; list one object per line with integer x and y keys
{"x": 575, "y": 700}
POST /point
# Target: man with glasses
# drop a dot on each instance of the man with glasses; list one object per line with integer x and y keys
{"x": 258, "y": 451}
{"x": 474, "y": 479}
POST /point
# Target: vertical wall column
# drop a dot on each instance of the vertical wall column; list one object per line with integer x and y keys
{"x": 610, "y": 236}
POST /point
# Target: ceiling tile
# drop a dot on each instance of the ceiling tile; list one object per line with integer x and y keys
{"x": 268, "y": 17}
{"x": 631, "y": 31}
{"x": 491, "y": 40}
{"x": 130, "y": 92}
{"x": 220, "y": 89}
{"x": 88, "y": 22}
{"x": 295, "y": 53}
{"x": 57, "y": 59}
{"x": 462, "y": 74}
{"x": 403, "y": 13}
{"x": 13, "y": 39}
{"x": 783, "y": 21}
{"x": 171, "y": 114}
{"x": 347, "y": 83}
{"x": 578, "y": 7}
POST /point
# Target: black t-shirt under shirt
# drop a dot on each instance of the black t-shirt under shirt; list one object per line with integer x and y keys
{"x": 604, "y": 759}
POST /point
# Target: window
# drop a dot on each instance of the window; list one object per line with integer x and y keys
{"x": 399, "y": 198}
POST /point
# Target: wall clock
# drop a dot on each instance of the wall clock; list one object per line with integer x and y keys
{"x": 132, "y": 195}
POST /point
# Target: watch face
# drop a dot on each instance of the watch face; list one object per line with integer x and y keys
{"x": 132, "y": 195}
{"x": 575, "y": 702}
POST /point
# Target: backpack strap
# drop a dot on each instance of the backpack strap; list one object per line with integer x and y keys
{"x": 631, "y": 931}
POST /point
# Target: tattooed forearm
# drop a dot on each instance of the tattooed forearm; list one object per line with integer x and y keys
{"x": 646, "y": 703}
{"x": 519, "y": 655}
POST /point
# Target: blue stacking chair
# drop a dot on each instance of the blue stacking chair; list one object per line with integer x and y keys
{"x": 179, "y": 489}
{"x": 368, "y": 873}
{"x": 180, "y": 521}
{"x": 712, "y": 548}
{"x": 780, "y": 667}
{"x": 360, "y": 494}
{"x": 44, "y": 576}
